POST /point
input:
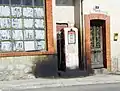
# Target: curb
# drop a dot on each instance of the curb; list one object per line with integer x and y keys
{"x": 51, "y": 83}
{"x": 60, "y": 84}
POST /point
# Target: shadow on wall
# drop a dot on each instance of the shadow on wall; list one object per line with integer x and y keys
{"x": 64, "y": 2}
{"x": 46, "y": 67}
{"x": 83, "y": 71}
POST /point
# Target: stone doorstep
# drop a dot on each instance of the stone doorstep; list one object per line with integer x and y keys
{"x": 115, "y": 73}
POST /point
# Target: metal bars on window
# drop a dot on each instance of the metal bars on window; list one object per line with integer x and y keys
{"x": 95, "y": 37}
{"x": 23, "y": 2}
{"x": 22, "y": 25}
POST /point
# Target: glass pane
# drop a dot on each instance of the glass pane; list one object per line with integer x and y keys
{"x": 39, "y": 23}
{"x": 98, "y": 40}
{"x": 40, "y": 45}
{"x": 39, "y": 12}
{"x": 18, "y": 46}
{"x": 5, "y": 34}
{"x": 28, "y": 23}
{"x": 17, "y": 23}
{"x": 29, "y": 34}
{"x": 5, "y": 23}
{"x": 16, "y": 11}
{"x": 17, "y": 34}
{"x": 64, "y": 2}
{"x": 29, "y": 45}
{"x": 27, "y": 2}
{"x": 4, "y": 11}
{"x": 18, "y": 2}
{"x": 0, "y": 1}
{"x": 39, "y": 34}
{"x": 38, "y": 2}
{"x": 6, "y": 46}
{"x": 5, "y": 1}
{"x": 92, "y": 37}
{"x": 28, "y": 12}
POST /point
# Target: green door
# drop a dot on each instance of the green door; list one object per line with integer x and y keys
{"x": 96, "y": 46}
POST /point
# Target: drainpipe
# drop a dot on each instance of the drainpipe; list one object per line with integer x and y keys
{"x": 82, "y": 36}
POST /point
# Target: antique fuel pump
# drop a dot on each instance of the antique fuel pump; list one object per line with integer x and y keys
{"x": 68, "y": 56}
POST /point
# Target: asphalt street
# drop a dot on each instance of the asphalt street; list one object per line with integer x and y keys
{"x": 97, "y": 87}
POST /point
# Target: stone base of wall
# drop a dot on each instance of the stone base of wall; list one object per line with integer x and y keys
{"x": 27, "y": 67}
{"x": 115, "y": 64}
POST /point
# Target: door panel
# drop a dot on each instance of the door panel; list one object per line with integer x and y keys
{"x": 96, "y": 46}
{"x": 60, "y": 46}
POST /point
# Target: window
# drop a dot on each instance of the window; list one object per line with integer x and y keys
{"x": 22, "y": 26}
{"x": 4, "y": 1}
{"x": 65, "y": 2}
{"x": 27, "y": 2}
{"x": 16, "y": 2}
{"x": 0, "y": 1}
{"x": 38, "y": 2}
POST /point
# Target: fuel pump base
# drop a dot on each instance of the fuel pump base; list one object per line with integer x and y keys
{"x": 68, "y": 55}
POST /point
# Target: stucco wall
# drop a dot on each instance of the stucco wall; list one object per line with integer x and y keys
{"x": 110, "y": 8}
{"x": 64, "y": 11}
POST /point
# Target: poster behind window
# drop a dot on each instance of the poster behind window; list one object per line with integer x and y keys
{"x": 17, "y": 23}
{"x": 28, "y": 23}
{"x": 18, "y": 46}
{"x": 6, "y": 46}
{"x": 5, "y": 23}
{"x": 39, "y": 34}
{"x": 4, "y": 11}
{"x": 39, "y": 23}
{"x": 17, "y": 34}
{"x": 28, "y": 12}
{"x": 16, "y": 11}
{"x": 5, "y": 34}
{"x": 71, "y": 37}
{"x": 29, "y": 34}
{"x": 39, "y": 12}
{"x": 29, "y": 45}
{"x": 40, "y": 45}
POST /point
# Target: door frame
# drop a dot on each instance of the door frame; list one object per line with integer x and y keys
{"x": 107, "y": 50}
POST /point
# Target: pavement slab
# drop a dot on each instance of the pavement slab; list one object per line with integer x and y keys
{"x": 59, "y": 82}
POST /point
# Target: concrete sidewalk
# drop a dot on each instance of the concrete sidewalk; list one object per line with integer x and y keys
{"x": 42, "y": 83}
